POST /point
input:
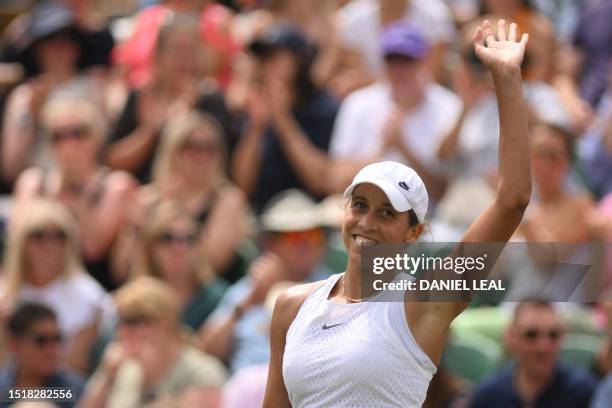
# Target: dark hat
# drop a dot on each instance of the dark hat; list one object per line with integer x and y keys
{"x": 282, "y": 36}
{"x": 44, "y": 21}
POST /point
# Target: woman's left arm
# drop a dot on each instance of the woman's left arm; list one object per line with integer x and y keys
{"x": 503, "y": 57}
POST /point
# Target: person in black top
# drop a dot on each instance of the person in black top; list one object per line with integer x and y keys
{"x": 176, "y": 86}
{"x": 285, "y": 100}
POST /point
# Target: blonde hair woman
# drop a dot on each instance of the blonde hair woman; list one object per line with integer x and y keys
{"x": 170, "y": 252}
{"x": 149, "y": 359}
{"x": 97, "y": 196}
{"x": 189, "y": 167}
{"x": 43, "y": 264}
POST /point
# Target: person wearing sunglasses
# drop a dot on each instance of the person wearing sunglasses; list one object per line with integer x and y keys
{"x": 34, "y": 341}
{"x": 43, "y": 264}
{"x": 150, "y": 363}
{"x": 536, "y": 379}
{"x": 171, "y": 252}
{"x": 293, "y": 242}
{"x": 97, "y": 196}
{"x": 189, "y": 167}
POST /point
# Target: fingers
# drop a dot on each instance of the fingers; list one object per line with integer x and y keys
{"x": 478, "y": 38}
{"x": 501, "y": 30}
{"x": 488, "y": 32}
{"x": 524, "y": 39}
{"x": 513, "y": 32}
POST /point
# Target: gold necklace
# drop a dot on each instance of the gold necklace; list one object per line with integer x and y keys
{"x": 353, "y": 299}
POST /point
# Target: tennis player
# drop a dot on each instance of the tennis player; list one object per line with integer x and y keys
{"x": 331, "y": 347}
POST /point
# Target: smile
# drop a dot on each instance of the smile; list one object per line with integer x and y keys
{"x": 362, "y": 241}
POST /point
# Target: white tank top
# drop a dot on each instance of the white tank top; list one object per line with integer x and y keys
{"x": 353, "y": 355}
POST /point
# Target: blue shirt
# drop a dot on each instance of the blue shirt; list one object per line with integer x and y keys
{"x": 603, "y": 395}
{"x": 251, "y": 338}
{"x": 570, "y": 388}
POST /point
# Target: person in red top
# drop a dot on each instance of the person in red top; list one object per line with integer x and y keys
{"x": 137, "y": 53}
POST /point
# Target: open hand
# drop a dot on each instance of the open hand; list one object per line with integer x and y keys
{"x": 504, "y": 53}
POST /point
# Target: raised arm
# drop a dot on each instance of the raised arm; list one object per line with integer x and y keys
{"x": 430, "y": 321}
{"x": 503, "y": 57}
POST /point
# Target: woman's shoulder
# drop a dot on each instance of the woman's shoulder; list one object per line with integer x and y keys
{"x": 291, "y": 300}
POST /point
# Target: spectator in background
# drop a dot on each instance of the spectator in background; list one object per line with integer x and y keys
{"x": 537, "y": 379}
{"x": 403, "y": 118}
{"x": 361, "y": 23}
{"x": 35, "y": 343}
{"x": 316, "y": 19}
{"x": 470, "y": 148}
{"x": 189, "y": 166}
{"x": 284, "y": 103}
{"x": 149, "y": 363}
{"x": 97, "y": 197}
{"x": 541, "y": 51}
{"x": 552, "y": 153}
{"x": 294, "y": 243}
{"x": 43, "y": 265}
{"x": 178, "y": 84}
{"x": 585, "y": 65}
{"x": 170, "y": 252}
{"x": 137, "y": 54}
{"x": 53, "y": 45}
{"x": 596, "y": 154}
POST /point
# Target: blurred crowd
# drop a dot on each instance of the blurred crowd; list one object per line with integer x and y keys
{"x": 168, "y": 167}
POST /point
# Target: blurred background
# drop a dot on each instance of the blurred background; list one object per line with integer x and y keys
{"x": 168, "y": 167}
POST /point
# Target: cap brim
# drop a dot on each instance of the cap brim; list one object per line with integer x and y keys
{"x": 396, "y": 198}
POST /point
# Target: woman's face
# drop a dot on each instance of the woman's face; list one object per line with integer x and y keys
{"x": 45, "y": 254}
{"x": 369, "y": 219}
{"x": 280, "y": 65}
{"x": 73, "y": 141}
{"x": 57, "y": 53}
{"x": 549, "y": 158}
{"x": 198, "y": 154}
{"x": 179, "y": 55}
{"x": 174, "y": 250}
{"x": 137, "y": 332}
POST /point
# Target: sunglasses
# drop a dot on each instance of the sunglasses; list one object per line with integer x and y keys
{"x": 42, "y": 340}
{"x": 312, "y": 237}
{"x": 48, "y": 235}
{"x": 78, "y": 132}
{"x": 534, "y": 334}
{"x": 170, "y": 237}
{"x": 134, "y": 321}
{"x": 198, "y": 146}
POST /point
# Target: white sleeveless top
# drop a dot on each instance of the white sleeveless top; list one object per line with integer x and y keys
{"x": 353, "y": 355}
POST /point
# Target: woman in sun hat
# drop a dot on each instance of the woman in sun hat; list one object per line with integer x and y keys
{"x": 330, "y": 348}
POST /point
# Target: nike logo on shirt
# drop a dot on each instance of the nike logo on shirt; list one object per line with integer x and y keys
{"x": 325, "y": 326}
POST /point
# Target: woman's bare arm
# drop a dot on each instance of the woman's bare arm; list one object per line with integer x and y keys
{"x": 287, "y": 306}
{"x": 502, "y": 217}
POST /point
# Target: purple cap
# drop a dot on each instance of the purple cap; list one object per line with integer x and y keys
{"x": 403, "y": 38}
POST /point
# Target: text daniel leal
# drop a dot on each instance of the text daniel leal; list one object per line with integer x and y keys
{"x": 441, "y": 284}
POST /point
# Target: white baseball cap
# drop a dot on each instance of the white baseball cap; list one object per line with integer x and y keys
{"x": 402, "y": 186}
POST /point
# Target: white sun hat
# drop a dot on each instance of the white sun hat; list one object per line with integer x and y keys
{"x": 402, "y": 186}
{"x": 289, "y": 211}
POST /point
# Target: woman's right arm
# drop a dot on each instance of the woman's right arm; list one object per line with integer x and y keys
{"x": 285, "y": 310}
